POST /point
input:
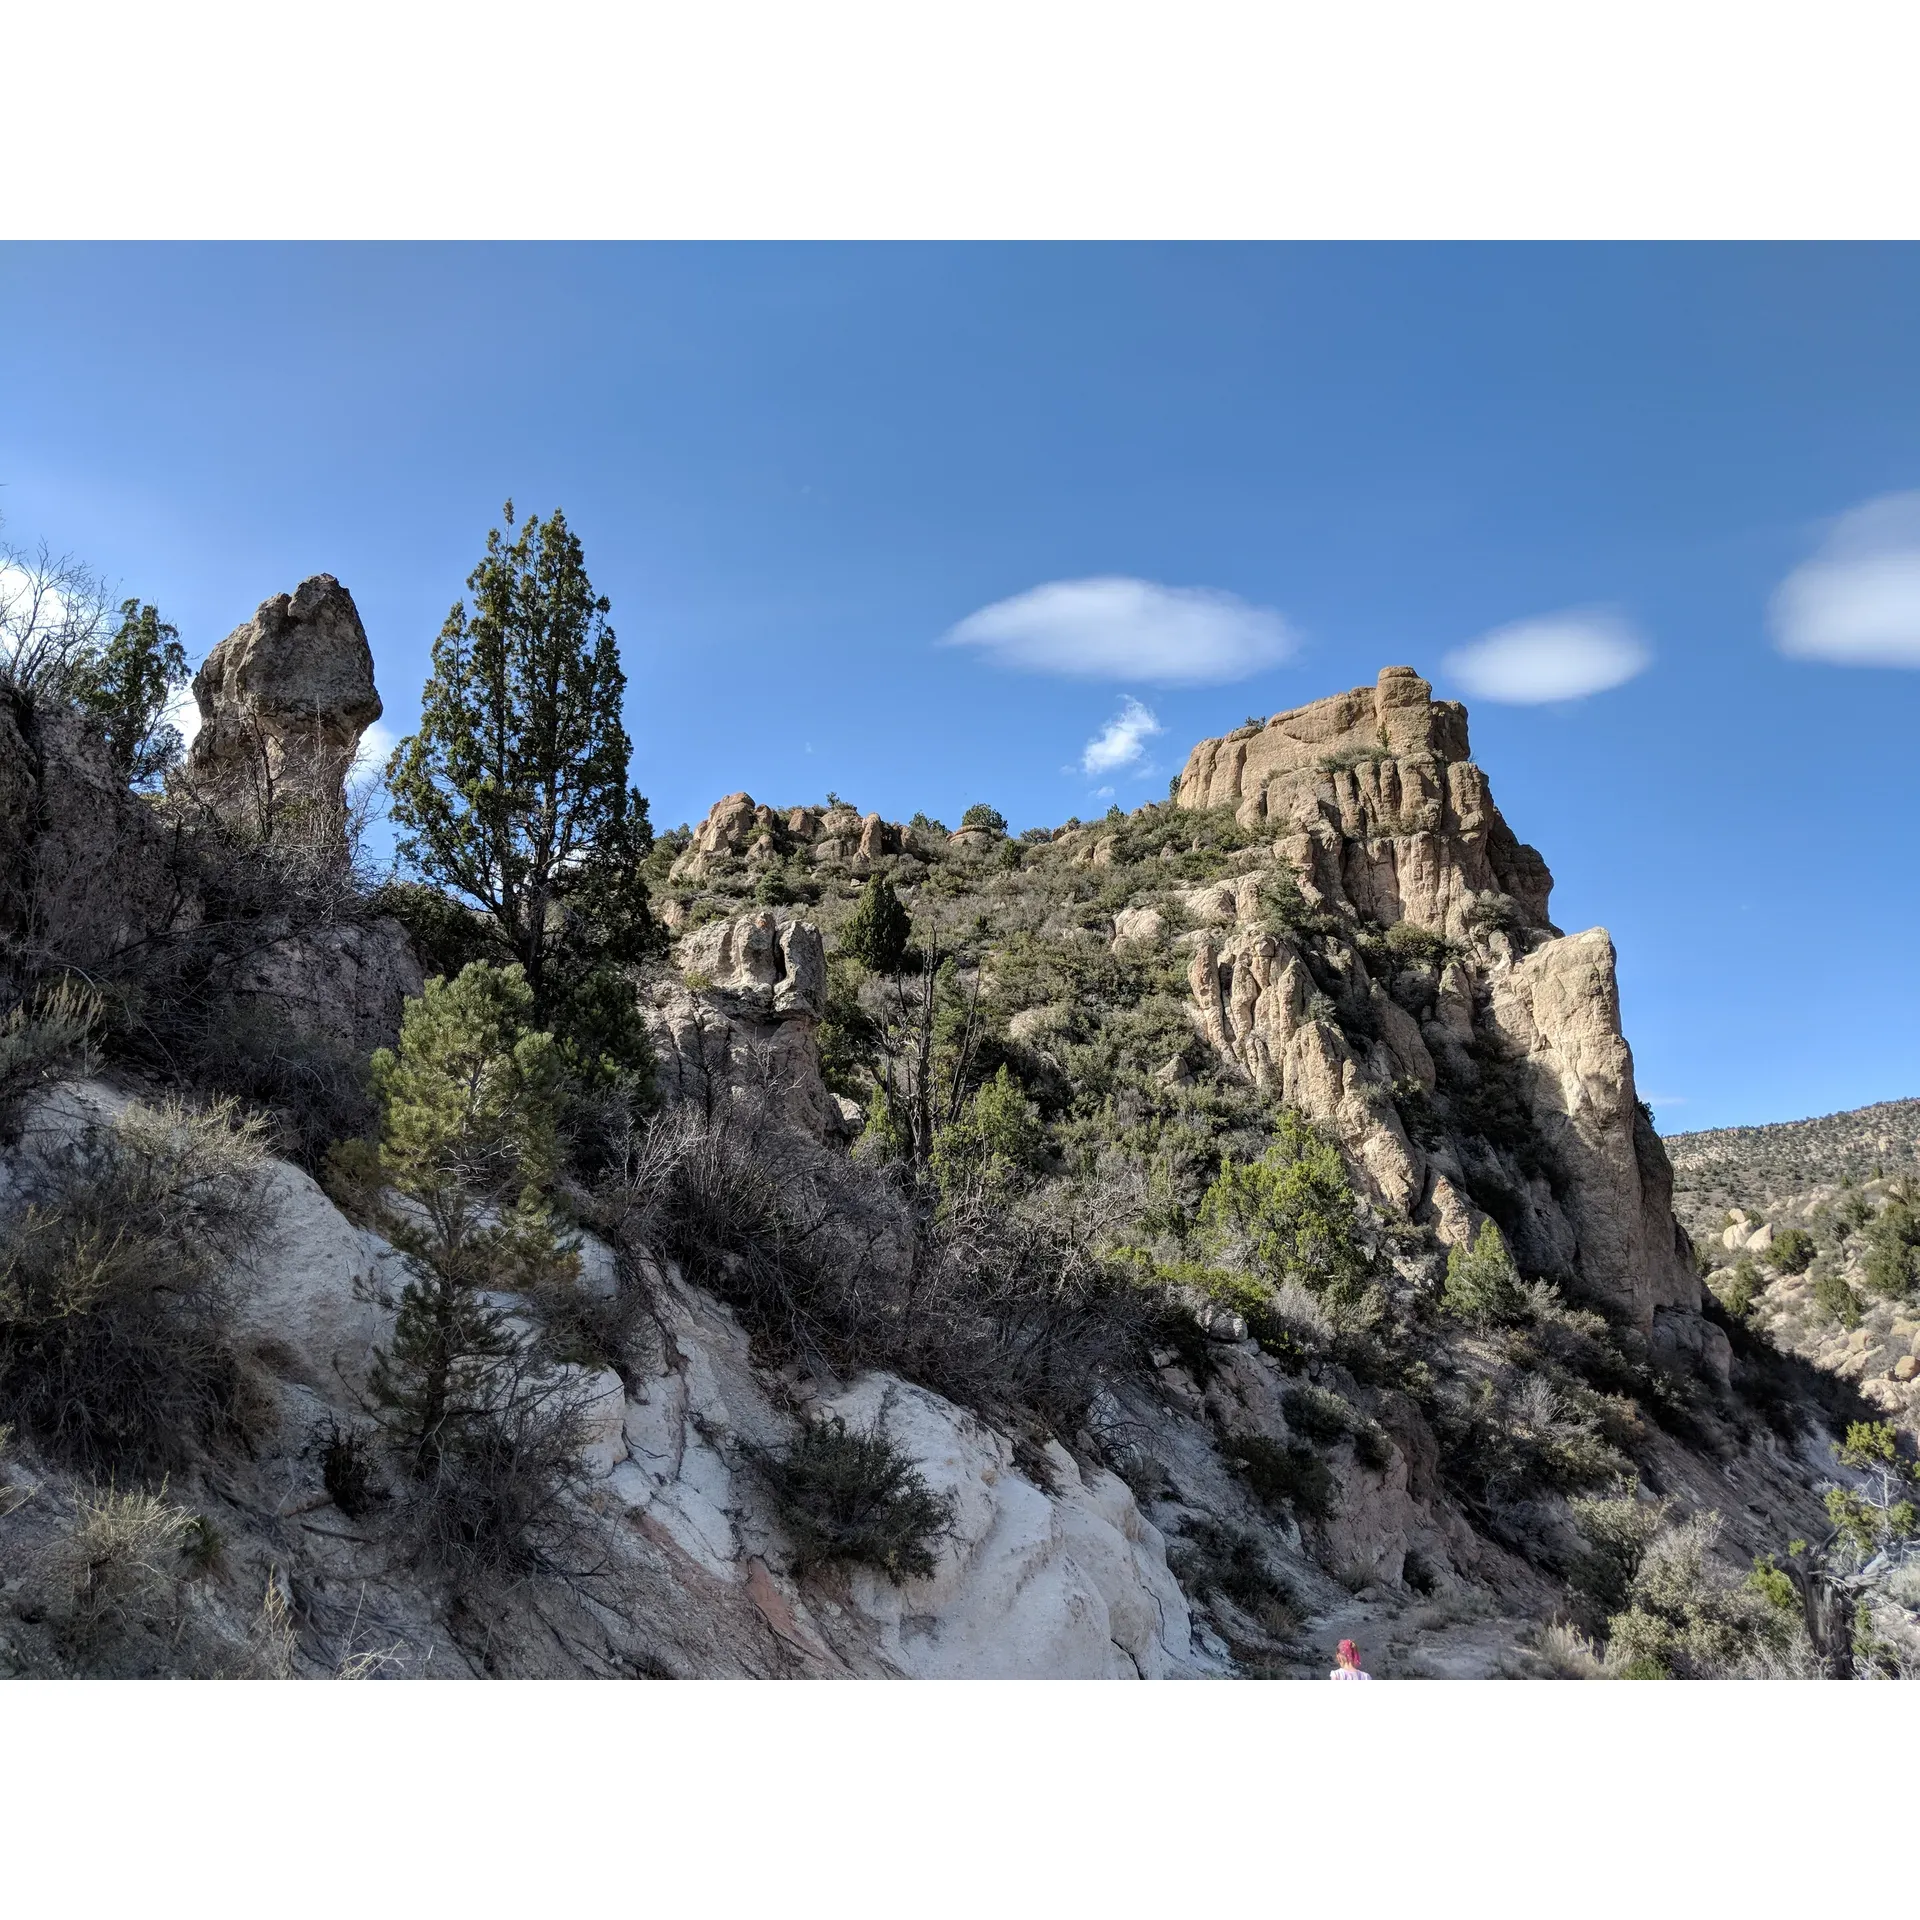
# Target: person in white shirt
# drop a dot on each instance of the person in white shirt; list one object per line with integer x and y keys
{"x": 1349, "y": 1668}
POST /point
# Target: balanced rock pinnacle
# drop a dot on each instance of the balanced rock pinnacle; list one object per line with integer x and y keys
{"x": 285, "y": 698}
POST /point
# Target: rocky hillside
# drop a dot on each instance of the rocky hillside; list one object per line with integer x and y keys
{"x": 1809, "y": 1233}
{"x": 1760, "y": 1167}
{"x": 1160, "y": 1247}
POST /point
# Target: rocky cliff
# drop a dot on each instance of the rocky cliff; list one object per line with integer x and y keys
{"x": 976, "y": 1210}
{"x": 1380, "y": 819}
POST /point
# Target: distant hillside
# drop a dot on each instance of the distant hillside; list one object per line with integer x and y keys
{"x": 1760, "y": 1167}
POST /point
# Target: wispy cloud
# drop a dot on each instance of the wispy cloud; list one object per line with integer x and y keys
{"x": 1856, "y": 602}
{"x": 1120, "y": 629}
{"x": 1557, "y": 656}
{"x": 1121, "y": 744}
{"x": 375, "y": 749}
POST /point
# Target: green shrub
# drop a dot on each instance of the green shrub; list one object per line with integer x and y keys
{"x": 490, "y": 1430}
{"x": 1792, "y": 1250}
{"x": 1884, "y": 1515}
{"x": 1618, "y": 1528}
{"x": 1212, "y": 1560}
{"x": 997, "y": 1137}
{"x": 1496, "y": 913}
{"x": 1415, "y": 946}
{"x": 982, "y": 815}
{"x": 1290, "y": 1215}
{"x": 1292, "y": 1475}
{"x": 1774, "y": 1585}
{"x": 846, "y": 1496}
{"x": 1688, "y": 1618}
{"x": 1834, "y": 1298}
{"x": 1893, "y": 1251}
{"x": 1482, "y": 1285}
{"x": 347, "y": 1469}
{"x": 1318, "y": 1414}
{"x": 1737, "y": 1288}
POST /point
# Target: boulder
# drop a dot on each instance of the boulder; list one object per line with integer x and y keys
{"x": 284, "y": 700}
{"x": 1071, "y": 1584}
{"x": 1141, "y": 926}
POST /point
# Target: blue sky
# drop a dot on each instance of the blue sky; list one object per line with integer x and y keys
{"x": 796, "y": 469}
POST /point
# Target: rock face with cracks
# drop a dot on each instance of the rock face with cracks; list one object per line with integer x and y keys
{"x": 1378, "y": 807}
{"x": 1385, "y": 822}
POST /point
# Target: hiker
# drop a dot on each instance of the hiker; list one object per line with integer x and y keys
{"x": 1349, "y": 1668}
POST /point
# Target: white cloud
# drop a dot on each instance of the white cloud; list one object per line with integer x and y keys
{"x": 375, "y": 749}
{"x": 1120, "y": 629}
{"x": 183, "y": 711}
{"x": 1856, "y": 603}
{"x": 1122, "y": 743}
{"x": 1558, "y": 656}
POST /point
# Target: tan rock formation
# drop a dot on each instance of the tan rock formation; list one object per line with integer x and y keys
{"x": 777, "y": 966}
{"x": 738, "y": 829}
{"x": 1390, "y": 822}
{"x": 1560, "y": 1010}
{"x": 285, "y": 698}
{"x": 1379, "y": 810}
{"x": 723, "y": 834}
{"x": 741, "y": 1027}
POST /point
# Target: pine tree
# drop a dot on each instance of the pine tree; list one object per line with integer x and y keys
{"x": 513, "y": 793}
{"x": 878, "y": 933}
{"x": 469, "y": 1119}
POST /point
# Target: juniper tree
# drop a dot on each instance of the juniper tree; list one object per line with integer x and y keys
{"x": 879, "y": 930}
{"x": 1290, "y": 1215}
{"x": 513, "y": 794}
{"x": 1482, "y": 1284}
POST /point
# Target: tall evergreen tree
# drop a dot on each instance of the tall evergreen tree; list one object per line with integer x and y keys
{"x": 469, "y": 1107}
{"x": 126, "y": 684}
{"x": 879, "y": 930}
{"x": 513, "y": 793}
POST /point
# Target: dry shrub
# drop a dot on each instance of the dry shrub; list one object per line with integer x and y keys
{"x": 499, "y": 1503}
{"x": 272, "y": 1640}
{"x": 1567, "y": 1653}
{"x": 45, "y": 1037}
{"x": 120, "y": 1259}
{"x": 997, "y": 1302}
{"x": 118, "y": 1570}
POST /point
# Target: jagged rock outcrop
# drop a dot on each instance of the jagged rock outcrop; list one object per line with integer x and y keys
{"x": 1559, "y": 1009}
{"x": 739, "y": 830}
{"x": 1378, "y": 807}
{"x": 284, "y": 700}
{"x": 1514, "y": 1013}
{"x": 739, "y": 1021}
{"x": 773, "y": 966}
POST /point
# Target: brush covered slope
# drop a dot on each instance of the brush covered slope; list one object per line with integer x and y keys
{"x": 1810, "y": 1233}
{"x": 1157, "y": 1247}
